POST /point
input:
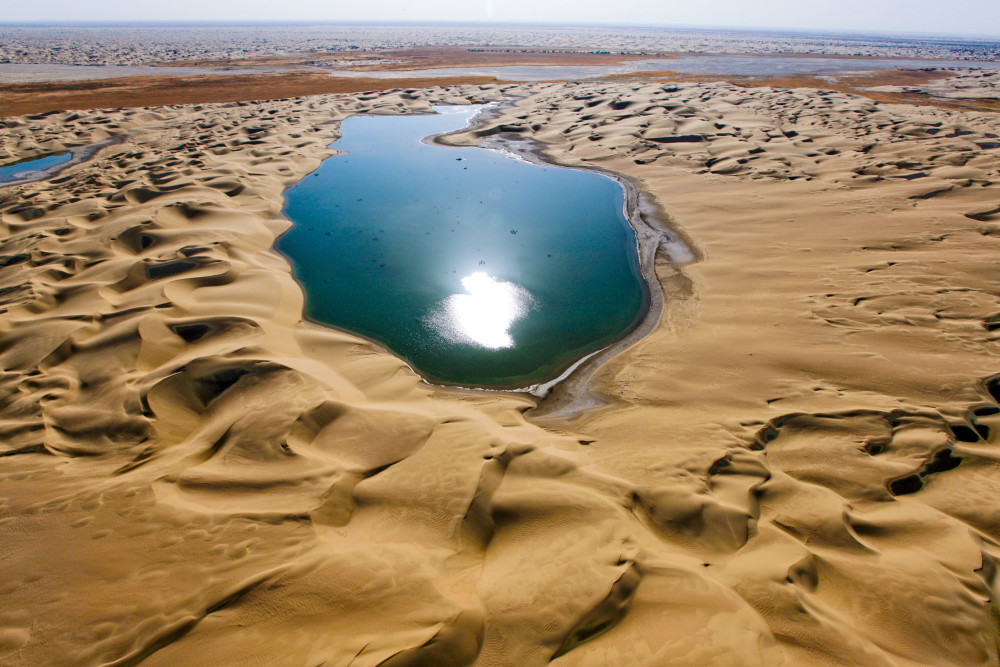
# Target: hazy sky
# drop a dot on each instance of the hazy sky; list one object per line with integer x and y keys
{"x": 973, "y": 17}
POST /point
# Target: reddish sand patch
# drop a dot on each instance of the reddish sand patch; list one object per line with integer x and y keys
{"x": 28, "y": 98}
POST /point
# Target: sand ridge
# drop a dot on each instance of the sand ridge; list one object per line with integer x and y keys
{"x": 794, "y": 467}
{"x": 828, "y": 302}
{"x": 959, "y": 83}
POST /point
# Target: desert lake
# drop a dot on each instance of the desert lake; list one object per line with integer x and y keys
{"x": 476, "y": 267}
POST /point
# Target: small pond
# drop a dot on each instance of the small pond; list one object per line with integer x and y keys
{"x": 15, "y": 171}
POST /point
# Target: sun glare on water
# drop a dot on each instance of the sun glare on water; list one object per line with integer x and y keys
{"x": 483, "y": 315}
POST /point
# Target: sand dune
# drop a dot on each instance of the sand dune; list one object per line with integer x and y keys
{"x": 963, "y": 83}
{"x": 795, "y": 466}
{"x": 132, "y": 45}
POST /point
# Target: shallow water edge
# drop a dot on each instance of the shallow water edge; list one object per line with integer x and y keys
{"x": 652, "y": 232}
{"x": 567, "y": 394}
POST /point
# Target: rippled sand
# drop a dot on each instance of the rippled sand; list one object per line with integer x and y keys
{"x": 796, "y": 466}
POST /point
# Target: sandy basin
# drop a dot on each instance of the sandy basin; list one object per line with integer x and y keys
{"x": 795, "y": 466}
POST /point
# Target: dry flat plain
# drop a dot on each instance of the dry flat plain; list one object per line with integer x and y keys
{"x": 799, "y": 465}
{"x": 135, "y": 45}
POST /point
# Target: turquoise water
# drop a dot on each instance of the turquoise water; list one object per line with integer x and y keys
{"x": 477, "y": 268}
{"x": 16, "y": 170}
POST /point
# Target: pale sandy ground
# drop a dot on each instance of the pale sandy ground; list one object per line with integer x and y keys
{"x": 139, "y": 45}
{"x": 17, "y": 73}
{"x": 193, "y": 476}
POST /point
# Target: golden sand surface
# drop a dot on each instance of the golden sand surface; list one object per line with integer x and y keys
{"x": 797, "y": 466}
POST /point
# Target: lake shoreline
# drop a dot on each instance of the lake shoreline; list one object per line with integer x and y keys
{"x": 567, "y": 385}
{"x": 567, "y": 392}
